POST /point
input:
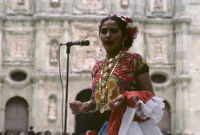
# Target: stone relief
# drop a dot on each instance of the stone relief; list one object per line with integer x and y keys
{"x": 21, "y": 2}
{"x": 54, "y": 31}
{"x": 89, "y": 4}
{"x": 55, "y": 3}
{"x": 158, "y": 48}
{"x": 19, "y": 46}
{"x": 86, "y": 57}
{"x": 18, "y": 5}
{"x": 54, "y": 46}
{"x": 157, "y": 6}
{"x": 124, "y": 3}
{"x": 52, "y": 109}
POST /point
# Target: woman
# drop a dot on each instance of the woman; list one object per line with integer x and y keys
{"x": 121, "y": 84}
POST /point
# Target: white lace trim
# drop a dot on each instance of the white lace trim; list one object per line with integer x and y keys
{"x": 152, "y": 109}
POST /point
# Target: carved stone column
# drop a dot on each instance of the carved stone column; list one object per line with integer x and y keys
{"x": 182, "y": 102}
{"x": 37, "y": 85}
{"x": 182, "y": 77}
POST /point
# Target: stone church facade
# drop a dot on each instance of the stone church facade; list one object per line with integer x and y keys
{"x": 30, "y": 34}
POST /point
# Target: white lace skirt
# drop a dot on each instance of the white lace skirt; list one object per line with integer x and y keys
{"x": 153, "y": 109}
{"x": 144, "y": 128}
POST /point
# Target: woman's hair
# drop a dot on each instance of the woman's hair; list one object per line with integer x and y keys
{"x": 122, "y": 22}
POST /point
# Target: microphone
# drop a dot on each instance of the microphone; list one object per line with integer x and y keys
{"x": 81, "y": 43}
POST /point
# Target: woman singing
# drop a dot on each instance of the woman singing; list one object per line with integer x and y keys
{"x": 121, "y": 88}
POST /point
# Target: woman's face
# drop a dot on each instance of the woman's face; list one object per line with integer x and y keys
{"x": 111, "y": 37}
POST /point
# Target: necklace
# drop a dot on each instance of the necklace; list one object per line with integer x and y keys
{"x": 107, "y": 69}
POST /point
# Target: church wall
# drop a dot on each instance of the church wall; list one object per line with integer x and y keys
{"x": 193, "y": 67}
{"x": 31, "y": 30}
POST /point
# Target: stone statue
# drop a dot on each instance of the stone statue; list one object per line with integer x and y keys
{"x": 124, "y": 3}
{"x": 20, "y": 2}
{"x": 54, "y": 53}
{"x": 52, "y": 109}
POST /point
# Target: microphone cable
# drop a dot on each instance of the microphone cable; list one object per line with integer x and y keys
{"x": 62, "y": 87}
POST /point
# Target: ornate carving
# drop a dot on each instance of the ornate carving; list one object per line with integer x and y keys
{"x": 52, "y": 109}
{"x": 124, "y": 3}
{"x": 158, "y": 48}
{"x": 54, "y": 32}
{"x": 18, "y": 5}
{"x": 87, "y": 56}
{"x": 158, "y": 6}
{"x": 19, "y": 46}
{"x": 54, "y": 46}
{"x": 90, "y": 4}
{"x": 55, "y": 3}
{"x": 21, "y": 2}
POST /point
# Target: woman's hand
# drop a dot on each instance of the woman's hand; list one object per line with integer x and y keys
{"x": 78, "y": 107}
{"x": 117, "y": 102}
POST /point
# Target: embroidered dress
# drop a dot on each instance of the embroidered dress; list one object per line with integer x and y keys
{"x": 138, "y": 115}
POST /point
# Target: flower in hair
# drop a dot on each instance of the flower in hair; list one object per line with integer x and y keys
{"x": 129, "y": 20}
{"x": 132, "y": 31}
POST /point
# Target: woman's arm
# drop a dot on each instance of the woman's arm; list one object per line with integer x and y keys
{"x": 80, "y": 107}
{"x": 145, "y": 82}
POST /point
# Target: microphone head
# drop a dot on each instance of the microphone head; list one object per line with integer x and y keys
{"x": 85, "y": 42}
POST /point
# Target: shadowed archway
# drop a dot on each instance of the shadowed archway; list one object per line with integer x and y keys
{"x": 83, "y": 119}
{"x": 16, "y": 115}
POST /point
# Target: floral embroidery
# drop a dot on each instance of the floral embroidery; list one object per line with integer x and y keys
{"x": 113, "y": 89}
{"x": 123, "y": 78}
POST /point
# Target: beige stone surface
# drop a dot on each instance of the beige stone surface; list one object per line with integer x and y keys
{"x": 168, "y": 40}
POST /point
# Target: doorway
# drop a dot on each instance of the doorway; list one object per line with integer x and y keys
{"x": 16, "y": 115}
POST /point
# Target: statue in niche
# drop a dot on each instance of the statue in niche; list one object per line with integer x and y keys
{"x": 54, "y": 52}
{"x": 124, "y": 3}
{"x": 52, "y": 109}
{"x": 159, "y": 6}
{"x": 55, "y": 3}
{"x": 20, "y": 5}
{"x": 20, "y": 2}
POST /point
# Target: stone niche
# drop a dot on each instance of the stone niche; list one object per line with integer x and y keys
{"x": 54, "y": 36}
{"x": 159, "y": 8}
{"x": 19, "y": 6}
{"x": 54, "y": 48}
{"x": 55, "y": 3}
{"x": 52, "y": 108}
{"x": 18, "y": 46}
{"x": 124, "y": 3}
{"x": 90, "y": 7}
{"x": 123, "y": 8}
{"x": 50, "y": 6}
{"x": 84, "y": 58}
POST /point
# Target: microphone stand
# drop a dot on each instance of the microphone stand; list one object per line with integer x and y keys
{"x": 66, "y": 94}
{"x": 69, "y": 44}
